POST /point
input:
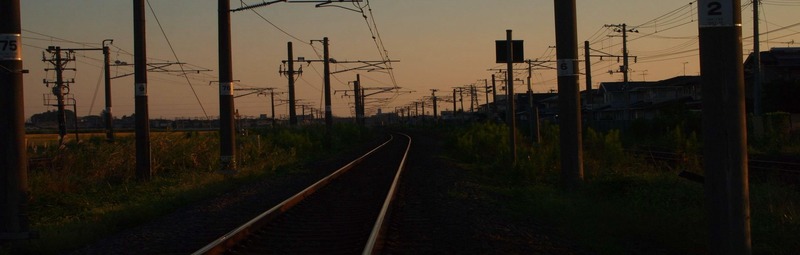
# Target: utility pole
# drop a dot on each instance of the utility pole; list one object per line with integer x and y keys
{"x": 61, "y": 87}
{"x": 724, "y": 130}
{"x": 511, "y": 113}
{"x": 461, "y": 98}
{"x": 357, "y": 92}
{"x": 533, "y": 110}
{"x": 568, "y": 93}
{"x": 272, "y": 102}
{"x": 143, "y": 163}
{"x": 422, "y": 103}
{"x": 108, "y": 117}
{"x": 588, "y": 66}
{"x": 494, "y": 93}
{"x": 454, "y": 102}
{"x": 13, "y": 155}
{"x": 756, "y": 61}
{"x": 623, "y": 28}
{"x": 435, "y": 109}
{"x": 486, "y": 87}
{"x": 290, "y": 73}
{"x": 226, "y": 105}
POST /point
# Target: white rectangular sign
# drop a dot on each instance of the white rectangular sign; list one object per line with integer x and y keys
{"x": 226, "y": 88}
{"x": 715, "y": 13}
{"x": 10, "y": 47}
{"x": 566, "y": 67}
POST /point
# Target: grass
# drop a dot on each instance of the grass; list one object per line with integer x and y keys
{"x": 89, "y": 190}
{"x": 626, "y": 205}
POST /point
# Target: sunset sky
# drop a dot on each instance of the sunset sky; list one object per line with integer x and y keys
{"x": 440, "y": 44}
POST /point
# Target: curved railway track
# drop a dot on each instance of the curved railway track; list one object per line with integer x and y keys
{"x": 343, "y": 213}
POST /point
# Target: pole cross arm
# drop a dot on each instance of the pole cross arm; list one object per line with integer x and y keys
{"x": 159, "y": 68}
{"x": 368, "y": 66}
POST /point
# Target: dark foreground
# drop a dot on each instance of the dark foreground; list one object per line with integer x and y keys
{"x": 440, "y": 209}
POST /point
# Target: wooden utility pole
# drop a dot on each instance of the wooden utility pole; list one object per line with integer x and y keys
{"x": 724, "y": 129}
{"x": 13, "y": 156}
{"x": 568, "y": 93}
{"x": 143, "y": 163}
{"x": 533, "y": 110}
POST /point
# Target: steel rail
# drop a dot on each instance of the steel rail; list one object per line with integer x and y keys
{"x": 380, "y": 228}
{"x": 222, "y": 244}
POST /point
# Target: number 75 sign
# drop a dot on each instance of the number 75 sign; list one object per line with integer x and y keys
{"x": 715, "y": 13}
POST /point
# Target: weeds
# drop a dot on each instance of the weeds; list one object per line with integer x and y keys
{"x": 88, "y": 190}
{"x": 626, "y": 205}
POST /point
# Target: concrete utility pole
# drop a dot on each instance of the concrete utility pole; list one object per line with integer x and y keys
{"x": 108, "y": 117}
{"x": 568, "y": 94}
{"x": 533, "y": 110}
{"x": 226, "y": 106}
{"x": 143, "y": 164}
{"x": 327, "y": 64}
{"x": 454, "y": 101}
{"x": 357, "y": 92}
{"x": 13, "y": 156}
{"x": 511, "y": 112}
{"x": 588, "y": 66}
{"x": 290, "y": 73}
{"x": 61, "y": 87}
{"x": 494, "y": 93}
{"x": 623, "y": 28}
{"x": 724, "y": 129}
{"x": 756, "y": 61}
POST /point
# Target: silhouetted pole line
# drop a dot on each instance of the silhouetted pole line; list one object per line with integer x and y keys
{"x": 511, "y": 112}
{"x": 327, "y": 79}
{"x": 568, "y": 94}
{"x": 724, "y": 130}
{"x": 108, "y": 117}
{"x": 533, "y": 111}
{"x": 358, "y": 95}
{"x": 588, "y": 70}
{"x": 435, "y": 106}
{"x": 290, "y": 74}
{"x": 226, "y": 103}
{"x": 625, "y": 68}
{"x": 13, "y": 155}
{"x": 61, "y": 87}
{"x": 494, "y": 93}
{"x": 261, "y": 91}
{"x": 142, "y": 119}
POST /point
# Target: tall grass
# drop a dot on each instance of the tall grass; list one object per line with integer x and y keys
{"x": 627, "y": 205}
{"x": 85, "y": 191}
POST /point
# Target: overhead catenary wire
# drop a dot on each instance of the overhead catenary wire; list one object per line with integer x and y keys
{"x": 183, "y": 71}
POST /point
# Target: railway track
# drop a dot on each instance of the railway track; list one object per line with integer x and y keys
{"x": 343, "y": 213}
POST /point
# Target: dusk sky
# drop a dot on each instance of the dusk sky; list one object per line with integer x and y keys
{"x": 440, "y": 44}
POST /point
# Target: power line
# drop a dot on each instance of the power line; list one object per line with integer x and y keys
{"x": 183, "y": 71}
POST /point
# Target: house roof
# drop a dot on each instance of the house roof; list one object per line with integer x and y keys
{"x": 620, "y": 86}
{"x": 777, "y": 57}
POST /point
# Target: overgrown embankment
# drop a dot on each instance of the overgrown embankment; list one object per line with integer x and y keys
{"x": 628, "y": 205}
